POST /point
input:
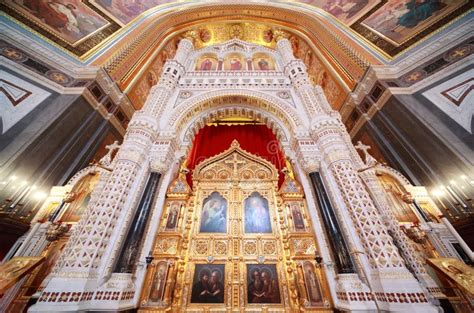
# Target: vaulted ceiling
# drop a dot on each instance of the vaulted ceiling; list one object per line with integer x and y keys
{"x": 391, "y": 25}
{"x": 336, "y": 39}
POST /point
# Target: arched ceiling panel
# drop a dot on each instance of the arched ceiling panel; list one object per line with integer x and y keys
{"x": 390, "y": 25}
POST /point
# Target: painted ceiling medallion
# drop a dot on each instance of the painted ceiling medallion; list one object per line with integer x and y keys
{"x": 236, "y": 31}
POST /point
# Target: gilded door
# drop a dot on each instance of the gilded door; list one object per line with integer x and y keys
{"x": 236, "y": 243}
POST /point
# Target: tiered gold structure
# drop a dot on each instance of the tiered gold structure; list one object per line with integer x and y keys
{"x": 235, "y": 174}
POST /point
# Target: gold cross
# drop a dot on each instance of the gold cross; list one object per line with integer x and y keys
{"x": 414, "y": 76}
{"x": 235, "y": 163}
{"x": 458, "y": 53}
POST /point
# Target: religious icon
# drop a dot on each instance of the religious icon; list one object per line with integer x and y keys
{"x": 263, "y": 65}
{"x": 204, "y": 35}
{"x": 458, "y": 272}
{"x": 298, "y": 220}
{"x": 159, "y": 281}
{"x": 208, "y": 283}
{"x": 206, "y": 65}
{"x": 214, "y": 214}
{"x": 235, "y": 65}
{"x": 262, "y": 284}
{"x": 262, "y": 62}
{"x": 313, "y": 288}
{"x": 257, "y": 214}
{"x": 173, "y": 216}
{"x": 151, "y": 79}
{"x": 268, "y": 35}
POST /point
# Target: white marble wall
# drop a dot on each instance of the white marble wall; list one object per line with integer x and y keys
{"x": 17, "y": 98}
{"x": 455, "y": 97}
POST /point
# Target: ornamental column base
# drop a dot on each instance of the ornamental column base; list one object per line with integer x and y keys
{"x": 393, "y": 290}
{"x": 397, "y": 290}
{"x": 66, "y": 294}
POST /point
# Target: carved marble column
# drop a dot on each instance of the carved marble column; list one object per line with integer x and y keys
{"x": 384, "y": 259}
{"x": 338, "y": 242}
{"x": 314, "y": 100}
{"x": 408, "y": 252}
{"x": 131, "y": 246}
{"x": 89, "y": 257}
{"x": 388, "y": 279}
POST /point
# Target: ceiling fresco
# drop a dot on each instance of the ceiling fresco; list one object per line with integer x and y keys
{"x": 399, "y": 21}
{"x": 75, "y": 26}
{"x": 319, "y": 30}
{"x": 72, "y": 21}
{"x": 345, "y": 11}
{"x": 124, "y": 11}
{"x": 391, "y": 25}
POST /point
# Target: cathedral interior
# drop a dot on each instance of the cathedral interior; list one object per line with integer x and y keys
{"x": 236, "y": 156}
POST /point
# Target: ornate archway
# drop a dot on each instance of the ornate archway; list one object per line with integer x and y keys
{"x": 283, "y": 111}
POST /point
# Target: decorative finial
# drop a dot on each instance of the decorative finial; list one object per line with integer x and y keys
{"x": 280, "y": 34}
{"x": 191, "y": 35}
{"x": 235, "y": 144}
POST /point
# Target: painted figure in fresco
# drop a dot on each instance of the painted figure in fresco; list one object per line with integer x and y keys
{"x": 262, "y": 287}
{"x": 172, "y": 217}
{"x": 126, "y": 10}
{"x": 209, "y": 288}
{"x": 158, "y": 284}
{"x": 312, "y": 284}
{"x": 418, "y": 11}
{"x": 64, "y": 17}
{"x": 323, "y": 81}
{"x": 263, "y": 65}
{"x": 235, "y": 65}
{"x": 400, "y": 20}
{"x": 151, "y": 79}
{"x": 297, "y": 217}
{"x": 54, "y": 14}
{"x": 214, "y": 215}
{"x": 295, "y": 44}
{"x": 206, "y": 65}
{"x": 257, "y": 215}
{"x": 341, "y": 8}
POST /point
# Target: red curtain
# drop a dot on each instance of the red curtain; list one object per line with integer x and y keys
{"x": 256, "y": 139}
